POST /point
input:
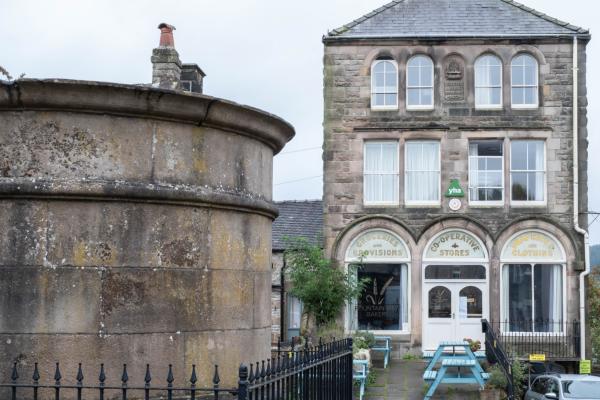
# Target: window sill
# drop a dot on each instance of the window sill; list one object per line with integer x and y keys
{"x": 486, "y": 204}
{"x": 381, "y": 205}
{"x": 489, "y": 108}
{"x": 525, "y": 107}
{"x": 384, "y": 108}
{"x": 436, "y": 204}
{"x": 528, "y": 204}
{"x": 419, "y": 108}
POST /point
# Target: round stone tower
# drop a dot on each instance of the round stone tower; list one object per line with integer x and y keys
{"x": 135, "y": 228}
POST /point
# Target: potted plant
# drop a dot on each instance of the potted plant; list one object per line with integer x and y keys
{"x": 475, "y": 345}
{"x": 361, "y": 345}
{"x": 495, "y": 387}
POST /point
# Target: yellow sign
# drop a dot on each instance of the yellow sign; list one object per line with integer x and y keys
{"x": 537, "y": 357}
{"x": 585, "y": 367}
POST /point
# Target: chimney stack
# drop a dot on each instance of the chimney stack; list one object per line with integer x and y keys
{"x": 166, "y": 66}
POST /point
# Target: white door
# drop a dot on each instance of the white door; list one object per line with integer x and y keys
{"x": 453, "y": 311}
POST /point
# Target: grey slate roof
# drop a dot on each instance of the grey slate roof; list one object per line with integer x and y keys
{"x": 454, "y": 18}
{"x": 298, "y": 219}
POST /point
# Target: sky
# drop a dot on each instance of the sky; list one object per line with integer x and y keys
{"x": 264, "y": 53}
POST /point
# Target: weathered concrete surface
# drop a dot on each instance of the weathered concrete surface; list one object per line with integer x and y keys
{"x": 136, "y": 228}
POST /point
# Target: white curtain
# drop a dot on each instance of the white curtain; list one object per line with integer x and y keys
{"x": 538, "y": 148}
{"x": 505, "y": 296}
{"x": 404, "y": 293}
{"x": 556, "y": 289}
{"x": 381, "y": 166}
{"x": 422, "y": 171}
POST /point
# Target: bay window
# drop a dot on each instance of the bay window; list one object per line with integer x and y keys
{"x": 527, "y": 172}
{"x": 486, "y": 172}
{"x": 422, "y": 173}
{"x": 384, "y": 85}
{"x": 381, "y": 172}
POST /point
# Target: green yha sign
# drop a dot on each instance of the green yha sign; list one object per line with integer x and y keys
{"x": 454, "y": 190}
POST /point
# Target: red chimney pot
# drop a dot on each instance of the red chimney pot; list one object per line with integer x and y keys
{"x": 166, "y": 35}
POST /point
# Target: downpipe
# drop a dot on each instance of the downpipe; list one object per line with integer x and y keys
{"x": 579, "y": 229}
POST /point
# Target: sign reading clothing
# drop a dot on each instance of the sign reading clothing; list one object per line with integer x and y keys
{"x": 532, "y": 245}
{"x": 455, "y": 244}
{"x": 377, "y": 245}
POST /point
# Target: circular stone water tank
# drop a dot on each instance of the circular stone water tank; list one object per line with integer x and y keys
{"x": 135, "y": 228}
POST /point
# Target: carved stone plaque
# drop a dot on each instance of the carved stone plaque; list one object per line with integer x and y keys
{"x": 454, "y": 84}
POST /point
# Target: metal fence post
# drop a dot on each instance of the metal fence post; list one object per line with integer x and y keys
{"x": 243, "y": 382}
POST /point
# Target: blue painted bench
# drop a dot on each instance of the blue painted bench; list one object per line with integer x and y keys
{"x": 360, "y": 373}
{"x": 383, "y": 344}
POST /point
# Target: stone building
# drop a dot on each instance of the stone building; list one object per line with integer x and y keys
{"x": 455, "y": 159}
{"x": 136, "y": 227}
{"x": 297, "y": 219}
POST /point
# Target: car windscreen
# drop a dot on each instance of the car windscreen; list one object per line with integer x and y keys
{"x": 581, "y": 389}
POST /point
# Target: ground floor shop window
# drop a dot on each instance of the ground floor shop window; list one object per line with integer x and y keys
{"x": 383, "y": 305}
{"x": 533, "y": 297}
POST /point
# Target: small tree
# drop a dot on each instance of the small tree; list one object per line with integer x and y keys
{"x": 322, "y": 288}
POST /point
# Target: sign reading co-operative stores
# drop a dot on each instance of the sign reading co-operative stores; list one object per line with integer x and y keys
{"x": 377, "y": 245}
{"x": 455, "y": 244}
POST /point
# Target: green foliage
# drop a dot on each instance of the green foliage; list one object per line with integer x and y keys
{"x": 362, "y": 340}
{"x": 593, "y": 313}
{"x": 518, "y": 372}
{"x": 322, "y": 288}
{"x": 330, "y": 331}
{"x": 497, "y": 379}
{"x": 411, "y": 356}
{"x": 473, "y": 344}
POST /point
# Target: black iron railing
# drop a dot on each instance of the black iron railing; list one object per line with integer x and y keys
{"x": 322, "y": 372}
{"x": 557, "y": 340}
{"x": 495, "y": 353}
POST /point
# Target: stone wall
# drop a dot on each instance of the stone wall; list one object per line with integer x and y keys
{"x": 136, "y": 229}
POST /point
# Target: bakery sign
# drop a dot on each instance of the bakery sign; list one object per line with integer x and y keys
{"x": 455, "y": 244}
{"x": 377, "y": 245}
{"x": 533, "y": 245}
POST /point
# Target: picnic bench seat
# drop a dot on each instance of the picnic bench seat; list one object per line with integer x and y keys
{"x": 360, "y": 373}
{"x": 431, "y": 353}
{"x": 383, "y": 344}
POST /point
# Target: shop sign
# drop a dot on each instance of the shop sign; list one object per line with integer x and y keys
{"x": 455, "y": 244}
{"x": 585, "y": 367}
{"x": 454, "y": 190}
{"x": 537, "y": 357}
{"x": 377, "y": 244}
{"x": 532, "y": 245}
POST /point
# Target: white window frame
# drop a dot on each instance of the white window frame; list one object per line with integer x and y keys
{"x": 536, "y": 86}
{"x": 396, "y": 173}
{"x": 529, "y": 203}
{"x": 373, "y": 93}
{"x": 532, "y": 263}
{"x": 420, "y": 107}
{"x": 488, "y": 106}
{"x": 485, "y": 203}
{"x": 422, "y": 203}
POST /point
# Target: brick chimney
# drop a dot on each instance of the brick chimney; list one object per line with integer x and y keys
{"x": 166, "y": 65}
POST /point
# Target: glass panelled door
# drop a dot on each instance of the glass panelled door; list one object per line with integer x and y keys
{"x": 453, "y": 311}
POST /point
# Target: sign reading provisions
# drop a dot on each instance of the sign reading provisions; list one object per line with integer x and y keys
{"x": 585, "y": 367}
{"x": 537, "y": 357}
{"x": 454, "y": 190}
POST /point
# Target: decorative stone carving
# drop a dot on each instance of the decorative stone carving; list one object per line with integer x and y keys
{"x": 454, "y": 85}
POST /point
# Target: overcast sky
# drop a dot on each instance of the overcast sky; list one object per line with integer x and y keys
{"x": 265, "y": 53}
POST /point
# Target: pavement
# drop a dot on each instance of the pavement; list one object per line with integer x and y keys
{"x": 403, "y": 380}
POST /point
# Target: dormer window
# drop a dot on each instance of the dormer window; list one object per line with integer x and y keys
{"x": 524, "y": 82}
{"x": 419, "y": 87}
{"x": 488, "y": 82}
{"x": 384, "y": 85}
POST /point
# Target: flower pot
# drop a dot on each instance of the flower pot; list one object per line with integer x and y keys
{"x": 492, "y": 394}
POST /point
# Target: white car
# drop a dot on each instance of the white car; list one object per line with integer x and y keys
{"x": 564, "y": 386}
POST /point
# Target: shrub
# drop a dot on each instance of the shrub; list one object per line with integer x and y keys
{"x": 593, "y": 313}
{"x": 497, "y": 379}
{"x": 363, "y": 340}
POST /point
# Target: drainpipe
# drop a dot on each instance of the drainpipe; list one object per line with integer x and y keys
{"x": 576, "y": 226}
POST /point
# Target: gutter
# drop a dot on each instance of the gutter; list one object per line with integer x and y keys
{"x": 576, "y": 226}
{"x": 366, "y": 38}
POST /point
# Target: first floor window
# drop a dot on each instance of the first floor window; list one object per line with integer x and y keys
{"x": 381, "y": 172}
{"x": 486, "y": 169}
{"x": 422, "y": 180}
{"x": 384, "y": 85}
{"x": 527, "y": 170}
{"x": 532, "y": 297}
{"x": 488, "y": 82}
{"x": 383, "y": 305}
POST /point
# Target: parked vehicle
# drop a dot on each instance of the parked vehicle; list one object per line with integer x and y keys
{"x": 564, "y": 387}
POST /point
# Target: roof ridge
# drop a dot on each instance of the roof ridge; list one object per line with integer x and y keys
{"x": 365, "y": 17}
{"x": 546, "y": 17}
{"x": 298, "y": 201}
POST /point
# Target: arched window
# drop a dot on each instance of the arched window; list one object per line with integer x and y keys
{"x": 524, "y": 81}
{"x": 533, "y": 268}
{"x": 384, "y": 85}
{"x": 488, "y": 82}
{"x": 419, "y": 87}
